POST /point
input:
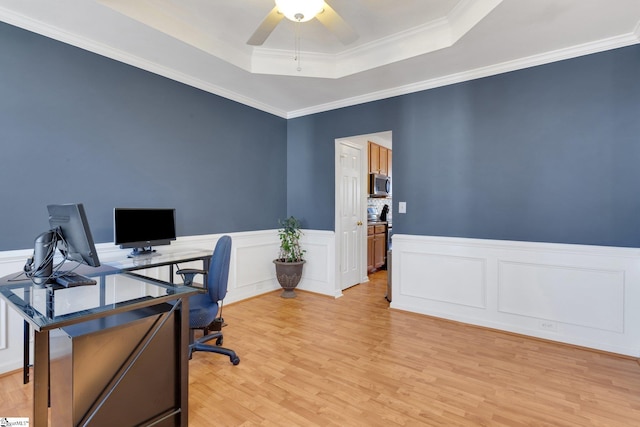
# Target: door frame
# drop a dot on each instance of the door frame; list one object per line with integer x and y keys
{"x": 361, "y": 142}
{"x": 362, "y": 146}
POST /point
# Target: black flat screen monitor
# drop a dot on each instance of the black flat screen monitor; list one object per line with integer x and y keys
{"x": 77, "y": 242}
{"x": 143, "y": 228}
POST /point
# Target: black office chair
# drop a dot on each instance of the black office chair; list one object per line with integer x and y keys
{"x": 204, "y": 307}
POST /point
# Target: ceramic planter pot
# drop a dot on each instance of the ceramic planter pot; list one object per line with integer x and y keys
{"x": 289, "y": 275}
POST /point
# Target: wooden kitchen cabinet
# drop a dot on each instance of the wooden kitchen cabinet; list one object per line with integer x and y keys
{"x": 370, "y": 252}
{"x": 379, "y": 250}
{"x": 383, "y": 165}
{"x": 389, "y": 162}
{"x": 376, "y": 246}
{"x": 374, "y": 157}
{"x": 379, "y": 159}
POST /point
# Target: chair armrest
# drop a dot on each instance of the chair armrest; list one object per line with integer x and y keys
{"x": 193, "y": 271}
{"x": 189, "y": 273}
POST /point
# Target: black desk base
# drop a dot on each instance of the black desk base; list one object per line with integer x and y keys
{"x": 109, "y": 371}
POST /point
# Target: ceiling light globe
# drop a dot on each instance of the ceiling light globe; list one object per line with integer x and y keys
{"x": 300, "y": 10}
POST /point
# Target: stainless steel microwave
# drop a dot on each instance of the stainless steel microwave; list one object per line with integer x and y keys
{"x": 379, "y": 185}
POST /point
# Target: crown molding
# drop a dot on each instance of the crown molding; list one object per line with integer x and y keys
{"x": 558, "y": 55}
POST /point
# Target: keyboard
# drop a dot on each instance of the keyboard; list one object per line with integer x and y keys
{"x": 70, "y": 279}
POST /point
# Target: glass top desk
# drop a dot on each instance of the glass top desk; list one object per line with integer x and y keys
{"x": 116, "y": 292}
{"x": 169, "y": 257}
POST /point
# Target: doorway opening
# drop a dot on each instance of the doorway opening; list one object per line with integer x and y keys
{"x": 352, "y": 204}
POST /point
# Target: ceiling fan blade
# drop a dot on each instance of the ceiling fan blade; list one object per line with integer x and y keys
{"x": 338, "y": 26}
{"x": 266, "y": 27}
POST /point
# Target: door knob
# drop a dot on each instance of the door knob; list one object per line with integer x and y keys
{"x": 359, "y": 222}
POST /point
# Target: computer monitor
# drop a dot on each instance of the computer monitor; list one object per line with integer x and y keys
{"x": 71, "y": 235}
{"x": 77, "y": 242}
{"x": 143, "y": 228}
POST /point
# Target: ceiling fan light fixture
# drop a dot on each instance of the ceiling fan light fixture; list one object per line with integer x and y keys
{"x": 300, "y": 10}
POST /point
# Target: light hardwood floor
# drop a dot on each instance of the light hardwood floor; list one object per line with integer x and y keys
{"x": 319, "y": 361}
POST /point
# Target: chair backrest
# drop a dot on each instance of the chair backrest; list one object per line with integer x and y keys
{"x": 218, "y": 276}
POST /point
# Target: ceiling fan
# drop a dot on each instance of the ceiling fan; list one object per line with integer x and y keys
{"x": 303, "y": 11}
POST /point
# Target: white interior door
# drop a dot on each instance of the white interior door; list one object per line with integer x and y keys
{"x": 350, "y": 214}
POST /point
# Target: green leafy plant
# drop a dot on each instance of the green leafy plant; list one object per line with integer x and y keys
{"x": 289, "y": 235}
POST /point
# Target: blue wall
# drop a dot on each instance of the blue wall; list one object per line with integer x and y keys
{"x": 77, "y": 127}
{"x": 546, "y": 154}
{"x": 543, "y": 154}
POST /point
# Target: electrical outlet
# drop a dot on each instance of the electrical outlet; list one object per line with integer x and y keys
{"x": 548, "y": 325}
{"x": 402, "y": 207}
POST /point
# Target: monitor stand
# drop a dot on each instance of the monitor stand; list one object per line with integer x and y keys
{"x": 43, "y": 258}
{"x": 144, "y": 252}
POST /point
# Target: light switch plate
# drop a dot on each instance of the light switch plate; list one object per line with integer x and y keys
{"x": 402, "y": 207}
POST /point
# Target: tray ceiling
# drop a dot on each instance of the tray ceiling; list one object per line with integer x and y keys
{"x": 401, "y": 47}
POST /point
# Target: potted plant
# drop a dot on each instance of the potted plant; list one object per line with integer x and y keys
{"x": 290, "y": 261}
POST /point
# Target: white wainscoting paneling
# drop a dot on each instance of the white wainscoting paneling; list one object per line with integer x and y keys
{"x": 318, "y": 274}
{"x": 580, "y": 296}
{"x": 577, "y": 294}
{"x": 11, "y": 324}
{"x": 452, "y": 279}
{"x": 4, "y": 321}
{"x": 253, "y": 270}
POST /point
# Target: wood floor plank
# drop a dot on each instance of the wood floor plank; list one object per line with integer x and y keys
{"x": 320, "y": 361}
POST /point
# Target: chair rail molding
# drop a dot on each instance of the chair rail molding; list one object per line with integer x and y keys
{"x": 576, "y": 294}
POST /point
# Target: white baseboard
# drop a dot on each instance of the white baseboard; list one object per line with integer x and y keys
{"x": 576, "y": 294}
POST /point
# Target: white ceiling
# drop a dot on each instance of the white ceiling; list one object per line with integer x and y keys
{"x": 403, "y": 45}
